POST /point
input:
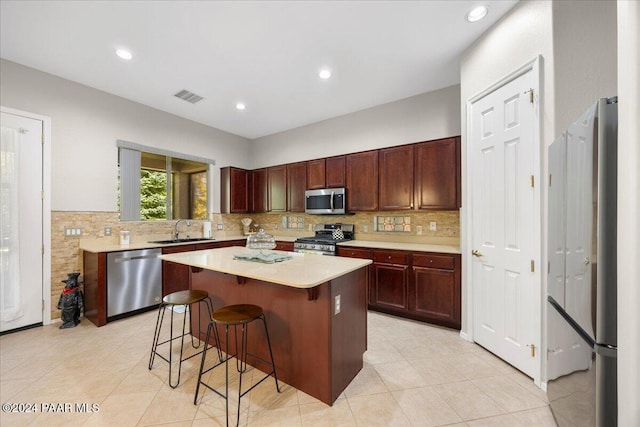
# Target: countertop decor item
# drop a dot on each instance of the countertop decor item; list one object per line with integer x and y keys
{"x": 246, "y": 224}
{"x": 261, "y": 240}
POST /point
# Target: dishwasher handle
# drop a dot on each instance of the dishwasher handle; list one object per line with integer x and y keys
{"x": 126, "y": 259}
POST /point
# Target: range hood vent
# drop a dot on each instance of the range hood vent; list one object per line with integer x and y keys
{"x": 188, "y": 96}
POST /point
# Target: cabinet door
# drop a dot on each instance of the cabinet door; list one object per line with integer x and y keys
{"x": 388, "y": 286}
{"x": 438, "y": 174}
{"x": 296, "y": 185}
{"x": 436, "y": 296}
{"x": 353, "y": 252}
{"x": 316, "y": 174}
{"x": 277, "y": 184}
{"x": 229, "y": 243}
{"x": 175, "y": 277}
{"x": 234, "y": 190}
{"x": 259, "y": 202}
{"x": 362, "y": 181}
{"x": 396, "y": 178}
{"x": 334, "y": 172}
{"x": 284, "y": 246}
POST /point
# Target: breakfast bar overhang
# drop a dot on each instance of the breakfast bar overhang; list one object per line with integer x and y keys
{"x": 315, "y": 306}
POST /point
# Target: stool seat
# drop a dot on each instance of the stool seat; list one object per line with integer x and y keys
{"x": 237, "y": 314}
{"x": 184, "y": 297}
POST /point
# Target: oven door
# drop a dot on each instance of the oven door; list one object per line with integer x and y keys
{"x": 306, "y": 248}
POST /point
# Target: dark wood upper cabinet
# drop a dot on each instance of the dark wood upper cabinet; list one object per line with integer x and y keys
{"x": 277, "y": 185}
{"x": 259, "y": 190}
{"x": 335, "y": 172}
{"x": 362, "y": 181}
{"x": 396, "y": 178}
{"x": 234, "y": 190}
{"x": 437, "y": 173}
{"x": 316, "y": 174}
{"x": 296, "y": 185}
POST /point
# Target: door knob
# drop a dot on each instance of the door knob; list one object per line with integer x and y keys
{"x": 586, "y": 261}
{"x": 476, "y": 252}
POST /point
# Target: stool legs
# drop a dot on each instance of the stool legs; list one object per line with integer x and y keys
{"x": 156, "y": 338}
{"x": 241, "y": 363}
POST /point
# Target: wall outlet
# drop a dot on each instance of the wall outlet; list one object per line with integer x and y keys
{"x": 310, "y": 227}
{"x": 276, "y": 226}
{"x": 365, "y": 228}
{"x": 107, "y": 231}
{"x": 220, "y": 227}
{"x": 72, "y": 232}
{"x": 419, "y": 230}
{"x": 432, "y": 226}
{"x": 336, "y": 309}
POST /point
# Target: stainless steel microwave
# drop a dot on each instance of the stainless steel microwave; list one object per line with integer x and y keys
{"x": 325, "y": 201}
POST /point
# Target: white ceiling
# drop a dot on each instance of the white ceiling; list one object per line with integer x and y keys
{"x": 266, "y": 54}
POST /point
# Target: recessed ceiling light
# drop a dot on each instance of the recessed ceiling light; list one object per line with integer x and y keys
{"x": 324, "y": 74}
{"x": 240, "y": 106}
{"x": 477, "y": 14}
{"x": 124, "y": 54}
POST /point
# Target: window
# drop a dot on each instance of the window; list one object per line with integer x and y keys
{"x": 160, "y": 185}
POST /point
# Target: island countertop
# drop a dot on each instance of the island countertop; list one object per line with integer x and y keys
{"x": 301, "y": 271}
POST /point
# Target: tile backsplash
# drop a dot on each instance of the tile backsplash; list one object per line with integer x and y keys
{"x": 66, "y": 256}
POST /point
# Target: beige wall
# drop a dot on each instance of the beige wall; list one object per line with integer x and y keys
{"x": 577, "y": 45}
{"x": 522, "y": 34}
{"x": 85, "y": 125}
{"x": 431, "y": 115}
{"x": 584, "y": 57}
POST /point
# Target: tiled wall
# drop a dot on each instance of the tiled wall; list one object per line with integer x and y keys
{"x": 66, "y": 256}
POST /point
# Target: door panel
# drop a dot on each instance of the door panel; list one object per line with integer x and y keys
{"x": 22, "y": 241}
{"x": 501, "y": 145}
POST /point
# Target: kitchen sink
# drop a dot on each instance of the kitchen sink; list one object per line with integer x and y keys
{"x": 191, "y": 239}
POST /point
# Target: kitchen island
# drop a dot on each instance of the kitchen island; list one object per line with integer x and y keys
{"x": 316, "y": 310}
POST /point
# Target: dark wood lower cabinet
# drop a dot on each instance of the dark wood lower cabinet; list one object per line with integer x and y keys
{"x": 422, "y": 286}
{"x": 389, "y": 280}
{"x": 175, "y": 277}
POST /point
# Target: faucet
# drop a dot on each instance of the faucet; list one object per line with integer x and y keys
{"x": 176, "y": 233}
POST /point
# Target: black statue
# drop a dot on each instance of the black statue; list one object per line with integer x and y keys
{"x": 70, "y": 302}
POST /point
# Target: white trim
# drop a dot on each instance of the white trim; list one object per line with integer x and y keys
{"x": 46, "y": 207}
{"x": 466, "y": 213}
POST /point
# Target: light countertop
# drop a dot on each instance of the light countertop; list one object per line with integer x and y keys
{"x": 410, "y": 247}
{"x": 301, "y": 271}
{"x": 142, "y": 242}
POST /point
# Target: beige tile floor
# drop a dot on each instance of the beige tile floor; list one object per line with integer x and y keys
{"x": 414, "y": 375}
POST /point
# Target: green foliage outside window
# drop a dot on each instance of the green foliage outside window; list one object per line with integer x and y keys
{"x": 153, "y": 195}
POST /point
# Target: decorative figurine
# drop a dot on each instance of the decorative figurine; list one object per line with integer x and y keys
{"x": 71, "y": 300}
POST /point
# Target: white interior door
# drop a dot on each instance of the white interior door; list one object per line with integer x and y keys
{"x": 21, "y": 228}
{"x": 503, "y": 224}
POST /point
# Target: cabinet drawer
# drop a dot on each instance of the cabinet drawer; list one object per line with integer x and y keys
{"x": 391, "y": 257}
{"x": 354, "y": 253}
{"x": 435, "y": 261}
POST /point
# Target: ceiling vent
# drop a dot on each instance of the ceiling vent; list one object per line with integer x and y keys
{"x": 189, "y": 96}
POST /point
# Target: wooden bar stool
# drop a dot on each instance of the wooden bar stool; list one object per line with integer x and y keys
{"x": 185, "y": 299}
{"x": 235, "y": 315}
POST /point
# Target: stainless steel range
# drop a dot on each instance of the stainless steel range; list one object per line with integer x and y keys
{"x": 325, "y": 239}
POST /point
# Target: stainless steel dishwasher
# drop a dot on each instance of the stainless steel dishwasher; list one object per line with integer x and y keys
{"x": 134, "y": 280}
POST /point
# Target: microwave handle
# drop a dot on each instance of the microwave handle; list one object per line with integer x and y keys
{"x": 332, "y": 196}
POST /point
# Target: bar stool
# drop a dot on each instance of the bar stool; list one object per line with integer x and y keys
{"x": 235, "y": 315}
{"x": 185, "y": 299}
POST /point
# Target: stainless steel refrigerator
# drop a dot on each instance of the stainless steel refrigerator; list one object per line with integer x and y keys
{"x": 581, "y": 312}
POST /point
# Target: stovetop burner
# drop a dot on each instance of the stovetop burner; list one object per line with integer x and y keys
{"x": 325, "y": 239}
